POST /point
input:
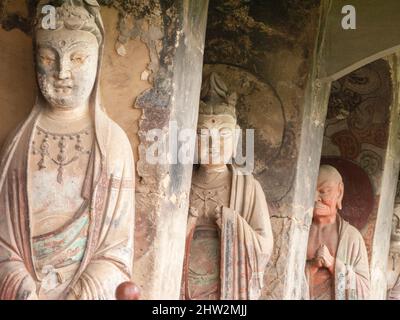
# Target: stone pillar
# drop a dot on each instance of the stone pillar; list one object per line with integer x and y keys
{"x": 293, "y": 252}
{"x": 383, "y": 224}
{"x": 163, "y": 189}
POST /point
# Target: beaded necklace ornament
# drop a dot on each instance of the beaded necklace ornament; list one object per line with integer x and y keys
{"x": 61, "y": 160}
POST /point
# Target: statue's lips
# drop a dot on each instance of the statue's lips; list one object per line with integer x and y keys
{"x": 65, "y": 89}
{"x": 62, "y": 86}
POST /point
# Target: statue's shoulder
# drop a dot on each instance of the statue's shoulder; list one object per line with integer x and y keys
{"x": 118, "y": 137}
{"x": 119, "y": 146}
{"x": 246, "y": 176}
{"x": 351, "y": 232}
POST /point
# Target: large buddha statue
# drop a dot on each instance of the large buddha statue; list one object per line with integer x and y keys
{"x": 229, "y": 237}
{"x": 337, "y": 261}
{"x": 67, "y": 174}
{"x": 393, "y": 271}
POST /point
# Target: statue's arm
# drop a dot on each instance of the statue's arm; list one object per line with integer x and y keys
{"x": 260, "y": 221}
{"x": 356, "y": 269}
{"x": 15, "y": 282}
{"x": 257, "y": 224}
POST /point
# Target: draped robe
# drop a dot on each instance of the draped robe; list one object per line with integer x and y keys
{"x": 246, "y": 240}
{"x": 108, "y": 191}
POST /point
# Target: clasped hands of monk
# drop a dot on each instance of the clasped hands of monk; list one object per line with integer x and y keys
{"x": 323, "y": 259}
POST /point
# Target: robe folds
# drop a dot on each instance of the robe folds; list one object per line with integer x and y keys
{"x": 246, "y": 240}
{"x": 108, "y": 192}
{"x": 351, "y": 272}
{"x": 394, "y": 293}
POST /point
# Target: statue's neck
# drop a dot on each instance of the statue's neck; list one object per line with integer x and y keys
{"x": 324, "y": 220}
{"x": 212, "y": 169}
{"x": 60, "y": 120}
{"x": 210, "y": 175}
{"x": 67, "y": 114}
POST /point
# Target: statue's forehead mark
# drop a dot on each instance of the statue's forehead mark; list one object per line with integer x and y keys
{"x": 215, "y": 120}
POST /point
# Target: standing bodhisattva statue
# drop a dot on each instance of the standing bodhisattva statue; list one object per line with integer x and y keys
{"x": 67, "y": 174}
{"x": 229, "y": 236}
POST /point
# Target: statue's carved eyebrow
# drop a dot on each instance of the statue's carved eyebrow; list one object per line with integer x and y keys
{"x": 74, "y": 44}
{"x": 52, "y": 46}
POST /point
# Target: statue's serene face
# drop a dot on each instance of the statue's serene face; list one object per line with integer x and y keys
{"x": 66, "y": 66}
{"x": 328, "y": 194}
{"x": 216, "y": 138}
{"x": 396, "y": 224}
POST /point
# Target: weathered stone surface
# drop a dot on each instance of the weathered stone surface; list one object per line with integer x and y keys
{"x": 163, "y": 189}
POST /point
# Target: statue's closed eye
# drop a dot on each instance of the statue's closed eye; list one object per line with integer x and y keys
{"x": 46, "y": 59}
{"x": 78, "y": 59}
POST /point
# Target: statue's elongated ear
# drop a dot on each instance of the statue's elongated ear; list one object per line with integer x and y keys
{"x": 232, "y": 99}
{"x": 340, "y": 198}
{"x": 236, "y": 136}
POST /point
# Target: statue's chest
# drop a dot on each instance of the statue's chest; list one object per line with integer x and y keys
{"x": 318, "y": 237}
{"x": 57, "y": 169}
{"x": 206, "y": 200}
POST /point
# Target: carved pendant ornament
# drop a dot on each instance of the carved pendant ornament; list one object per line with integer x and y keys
{"x": 208, "y": 196}
{"x": 394, "y": 256}
{"x": 62, "y": 140}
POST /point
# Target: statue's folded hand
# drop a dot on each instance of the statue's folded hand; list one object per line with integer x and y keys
{"x": 193, "y": 212}
{"x": 328, "y": 261}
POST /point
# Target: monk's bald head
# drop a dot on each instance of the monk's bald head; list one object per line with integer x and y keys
{"x": 329, "y": 193}
{"x": 329, "y": 173}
